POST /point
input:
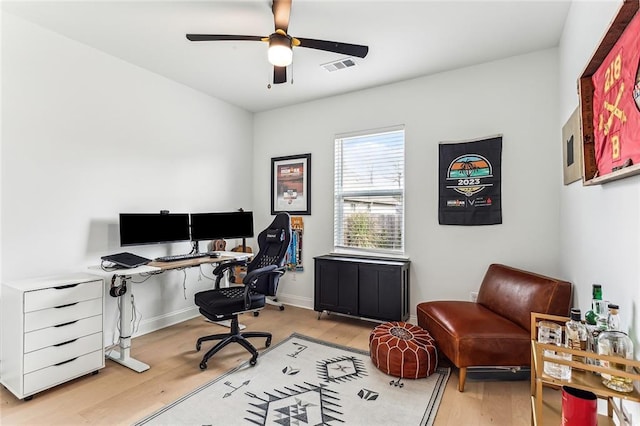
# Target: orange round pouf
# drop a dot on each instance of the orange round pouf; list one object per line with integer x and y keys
{"x": 403, "y": 350}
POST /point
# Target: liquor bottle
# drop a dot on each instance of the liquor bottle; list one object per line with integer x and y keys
{"x": 596, "y": 319}
{"x": 551, "y": 334}
{"x": 616, "y": 343}
{"x": 613, "y": 319}
{"x": 591, "y": 316}
{"x": 576, "y": 333}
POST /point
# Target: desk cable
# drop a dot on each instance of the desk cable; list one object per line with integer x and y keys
{"x": 116, "y": 330}
{"x": 104, "y": 265}
{"x": 136, "y": 319}
{"x": 202, "y": 273}
{"x": 146, "y": 276}
{"x": 184, "y": 283}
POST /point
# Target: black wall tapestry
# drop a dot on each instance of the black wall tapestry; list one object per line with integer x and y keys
{"x": 469, "y": 179}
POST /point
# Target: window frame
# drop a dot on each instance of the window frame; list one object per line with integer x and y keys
{"x": 339, "y": 197}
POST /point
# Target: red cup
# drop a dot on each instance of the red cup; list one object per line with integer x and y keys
{"x": 579, "y": 407}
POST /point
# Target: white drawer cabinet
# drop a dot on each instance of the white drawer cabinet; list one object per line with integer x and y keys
{"x": 51, "y": 331}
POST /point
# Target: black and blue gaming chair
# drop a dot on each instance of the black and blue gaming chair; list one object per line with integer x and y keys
{"x": 261, "y": 280}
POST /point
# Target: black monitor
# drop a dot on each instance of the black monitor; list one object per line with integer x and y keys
{"x": 153, "y": 228}
{"x": 213, "y": 226}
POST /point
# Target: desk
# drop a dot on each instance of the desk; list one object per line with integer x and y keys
{"x": 123, "y": 356}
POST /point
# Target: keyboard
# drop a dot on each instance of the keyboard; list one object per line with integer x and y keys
{"x": 177, "y": 257}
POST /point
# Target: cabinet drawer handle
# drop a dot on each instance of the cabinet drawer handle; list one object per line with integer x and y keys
{"x": 65, "y": 343}
{"x": 66, "y": 323}
{"x": 65, "y": 306}
{"x": 62, "y": 287}
{"x": 65, "y": 362}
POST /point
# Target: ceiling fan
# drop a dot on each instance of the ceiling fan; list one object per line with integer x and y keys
{"x": 280, "y": 53}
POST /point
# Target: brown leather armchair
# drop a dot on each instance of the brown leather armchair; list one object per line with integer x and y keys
{"x": 495, "y": 330}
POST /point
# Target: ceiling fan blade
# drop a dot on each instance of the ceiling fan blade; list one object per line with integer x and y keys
{"x": 281, "y": 12}
{"x": 279, "y": 75}
{"x": 217, "y": 37}
{"x": 334, "y": 46}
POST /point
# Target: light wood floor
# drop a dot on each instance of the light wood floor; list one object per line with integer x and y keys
{"x": 118, "y": 395}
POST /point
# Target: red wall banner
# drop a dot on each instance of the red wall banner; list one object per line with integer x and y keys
{"x": 616, "y": 103}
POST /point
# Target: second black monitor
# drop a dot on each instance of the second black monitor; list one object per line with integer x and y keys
{"x": 213, "y": 226}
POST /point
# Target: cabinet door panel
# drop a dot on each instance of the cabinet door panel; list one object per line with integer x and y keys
{"x": 348, "y": 288}
{"x": 368, "y": 292}
{"x": 389, "y": 292}
{"x": 379, "y": 292}
{"x": 336, "y": 287}
{"x": 326, "y": 285}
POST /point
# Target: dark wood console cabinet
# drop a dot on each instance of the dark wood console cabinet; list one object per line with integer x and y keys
{"x": 364, "y": 287}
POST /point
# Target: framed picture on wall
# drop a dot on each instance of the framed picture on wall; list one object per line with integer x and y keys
{"x": 609, "y": 91}
{"x": 572, "y": 148}
{"x": 291, "y": 184}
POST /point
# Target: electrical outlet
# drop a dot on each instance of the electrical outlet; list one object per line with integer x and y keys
{"x": 473, "y": 296}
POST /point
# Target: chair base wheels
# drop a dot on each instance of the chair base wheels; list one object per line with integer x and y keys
{"x": 235, "y": 336}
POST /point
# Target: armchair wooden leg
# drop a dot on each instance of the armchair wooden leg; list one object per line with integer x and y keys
{"x": 462, "y": 376}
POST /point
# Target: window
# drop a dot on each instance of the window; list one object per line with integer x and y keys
{"x": 369, "y": 191}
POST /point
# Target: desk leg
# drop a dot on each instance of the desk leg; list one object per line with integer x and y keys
{"x": 123, "y": 355}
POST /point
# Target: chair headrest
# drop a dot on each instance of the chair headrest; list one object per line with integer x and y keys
{"x": 274, "y": 235}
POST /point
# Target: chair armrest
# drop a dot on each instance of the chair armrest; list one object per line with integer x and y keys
{"x": 220, "y": 269}
{"x": 252, "y": 277}
{"x": 257, "y": 273}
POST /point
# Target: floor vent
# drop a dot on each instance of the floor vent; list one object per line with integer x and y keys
{"x": 339, "y": 65}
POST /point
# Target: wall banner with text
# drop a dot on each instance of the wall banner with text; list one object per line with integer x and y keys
{"x": 469, "y": 175}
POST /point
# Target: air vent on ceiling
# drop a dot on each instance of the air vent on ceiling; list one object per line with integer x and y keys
{"x": 339, "y": 65}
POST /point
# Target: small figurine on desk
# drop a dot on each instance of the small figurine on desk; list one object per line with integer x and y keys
{"x": 218, "y": 245}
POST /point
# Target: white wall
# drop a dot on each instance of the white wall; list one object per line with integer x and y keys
{"x": 516, "y": 97}
{"x": 600, "y": 234}
{"x": 86, "y": 136}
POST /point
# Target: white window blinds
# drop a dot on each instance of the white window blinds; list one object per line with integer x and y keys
{"x": 369, "y": 191}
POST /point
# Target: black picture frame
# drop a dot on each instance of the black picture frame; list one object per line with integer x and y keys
{"x": 291, "y": 184}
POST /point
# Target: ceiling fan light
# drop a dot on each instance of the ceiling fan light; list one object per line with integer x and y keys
{"x": 280, "y": 53}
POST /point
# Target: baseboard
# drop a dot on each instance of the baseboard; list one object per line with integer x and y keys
{"x": 156, "y": 323}
{"x": 293, "y": 300}
{"x": 166, "y": 320}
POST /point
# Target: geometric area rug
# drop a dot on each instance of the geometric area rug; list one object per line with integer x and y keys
{"x": 305, "y": 381}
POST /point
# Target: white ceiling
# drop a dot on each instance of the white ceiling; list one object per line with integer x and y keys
{"x": 406, "y": 39}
